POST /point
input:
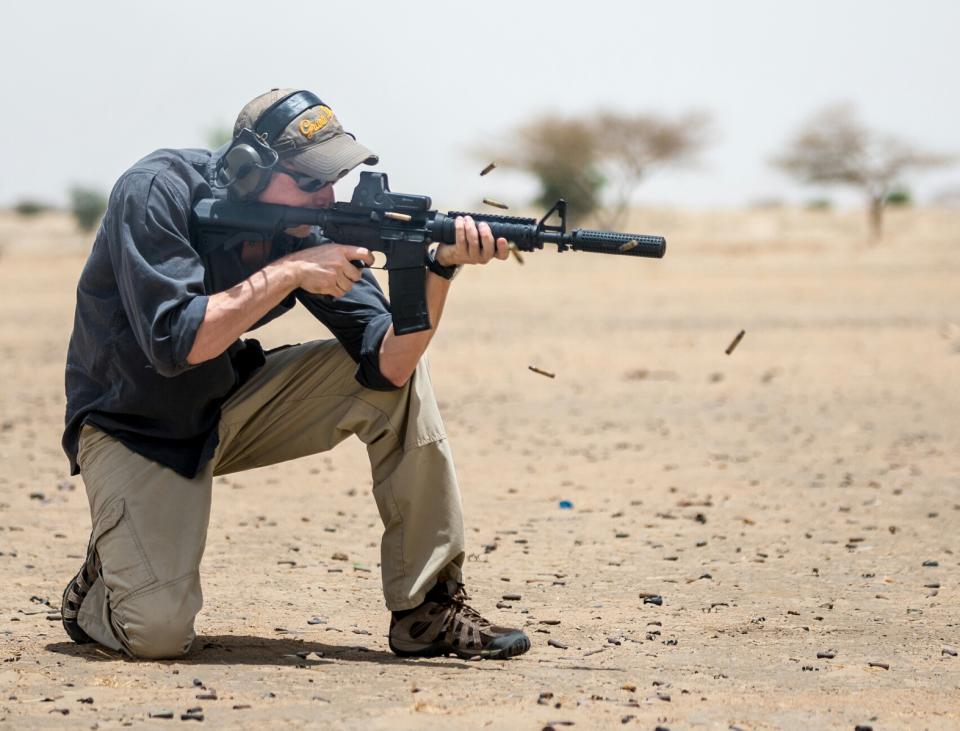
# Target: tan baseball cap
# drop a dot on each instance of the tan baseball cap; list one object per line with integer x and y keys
{"x": 314, "y": 143}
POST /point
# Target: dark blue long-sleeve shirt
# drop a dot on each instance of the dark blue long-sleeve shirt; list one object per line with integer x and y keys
{"x": 140, "y": 300}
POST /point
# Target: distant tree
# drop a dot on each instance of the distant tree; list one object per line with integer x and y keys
{"x": 632, "y": 146}
{"x": 564, "y": 157}
{"x": 579, "y": 159}
{"x": 87, "y": 206}
{"x": 835, "y": 148}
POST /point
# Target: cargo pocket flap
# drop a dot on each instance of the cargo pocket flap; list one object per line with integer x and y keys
{"x": 125, "y": 568}
{"x": 108, "y": 519}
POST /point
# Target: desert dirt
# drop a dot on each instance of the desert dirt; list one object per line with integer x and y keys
{"x": 798, "y": 497}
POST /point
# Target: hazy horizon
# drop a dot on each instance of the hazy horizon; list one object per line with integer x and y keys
{"x": 95, "y": 90}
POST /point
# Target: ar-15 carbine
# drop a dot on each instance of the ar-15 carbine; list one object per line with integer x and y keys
{"x": 402, "y": 227}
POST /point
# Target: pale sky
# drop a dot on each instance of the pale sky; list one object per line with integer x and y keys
{"x": 88, "y": 88}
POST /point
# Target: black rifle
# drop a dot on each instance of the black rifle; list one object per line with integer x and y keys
{"x": 402, "y": 227}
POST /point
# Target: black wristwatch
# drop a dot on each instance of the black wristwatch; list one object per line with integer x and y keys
{"x": 439, "y": 269}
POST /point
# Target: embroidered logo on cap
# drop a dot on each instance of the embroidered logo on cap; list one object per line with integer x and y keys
{"x": 309, "y": 127}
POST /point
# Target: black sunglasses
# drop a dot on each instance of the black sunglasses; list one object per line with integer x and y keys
{"x": 306, "y": 183}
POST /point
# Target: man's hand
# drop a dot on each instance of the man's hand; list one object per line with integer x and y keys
{"x": 328, "y": 268}
{"x": 474, "y": 244}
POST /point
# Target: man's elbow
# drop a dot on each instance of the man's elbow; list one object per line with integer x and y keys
{"x": 398, "y": 377}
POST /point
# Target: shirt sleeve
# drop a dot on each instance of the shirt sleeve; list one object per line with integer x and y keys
{"x": 359, "y": 320}
{"x": 159, "y": 274}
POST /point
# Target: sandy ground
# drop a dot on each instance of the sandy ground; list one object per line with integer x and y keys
{"x": 798, "y": 497}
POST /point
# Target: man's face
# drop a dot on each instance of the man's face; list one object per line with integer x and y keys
{"x": 283, "y": 190}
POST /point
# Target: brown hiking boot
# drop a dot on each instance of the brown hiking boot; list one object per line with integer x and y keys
{"x": 445, "y": 625}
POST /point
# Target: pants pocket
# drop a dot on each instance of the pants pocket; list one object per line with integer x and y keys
{"x": 125, "y": 568}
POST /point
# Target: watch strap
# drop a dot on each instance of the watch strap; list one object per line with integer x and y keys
{"x": 439, "y": 269}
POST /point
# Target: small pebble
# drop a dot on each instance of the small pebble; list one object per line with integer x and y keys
{"x": 556, "y": 643}
{"x": 948, "y": 650}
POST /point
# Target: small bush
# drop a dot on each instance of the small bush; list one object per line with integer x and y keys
{"x": 899, "y": 197}
{"x": 28, "y": 208}
{"x": 87, "y": 206}
{"x": 218, "y": 136}
{"x": 819, "y": 204}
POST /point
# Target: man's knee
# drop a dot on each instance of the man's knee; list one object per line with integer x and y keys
{"x": 158, "y": 625}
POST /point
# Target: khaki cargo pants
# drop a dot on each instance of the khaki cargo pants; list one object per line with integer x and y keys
{"x": 150, "y": 523}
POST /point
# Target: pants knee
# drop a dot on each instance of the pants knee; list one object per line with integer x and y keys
{"x": 159, "y": 625}
{"x": 162, "y": 641}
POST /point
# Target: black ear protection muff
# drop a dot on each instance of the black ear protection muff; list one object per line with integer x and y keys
{"x": 245, "y": 168}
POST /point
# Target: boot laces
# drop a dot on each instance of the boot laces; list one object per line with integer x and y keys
{"x": 460, "y": 608}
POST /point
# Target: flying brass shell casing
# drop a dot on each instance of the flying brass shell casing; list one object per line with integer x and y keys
{"x": 542, "y": 372}
{"x": 736, "y": 341}
{"x": 496, "y": 204}
{"x": 488, "y": 168}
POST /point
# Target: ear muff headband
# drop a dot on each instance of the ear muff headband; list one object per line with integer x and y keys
{"x": 282, "y": 112}
{"x": 246, "y": 166}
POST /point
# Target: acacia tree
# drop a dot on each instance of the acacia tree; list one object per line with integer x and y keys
{"x": 563, "y": 155}
{"x": 632, "y": 146}
{"x": 835, "y": 148}
{"x": 579, "y": 159}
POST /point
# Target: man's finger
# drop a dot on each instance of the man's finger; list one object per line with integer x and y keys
{"x": 460, "y": 238}
{"x": 351, "y": 272}
{"x": 473, "y": 238}
{"x": 488, "y": 247}
{"x": 503, "y": 249}
{"x": 358, "y": 253}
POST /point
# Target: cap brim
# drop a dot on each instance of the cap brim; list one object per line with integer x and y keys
{"x": 332, "y": 159}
